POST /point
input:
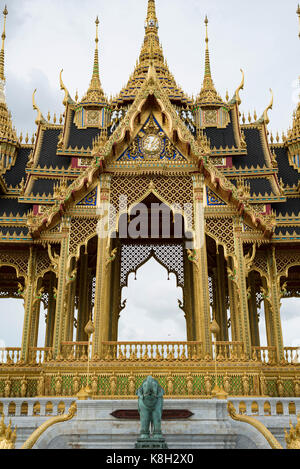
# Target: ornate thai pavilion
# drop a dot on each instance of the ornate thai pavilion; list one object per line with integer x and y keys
{"x": 71, "y": 196}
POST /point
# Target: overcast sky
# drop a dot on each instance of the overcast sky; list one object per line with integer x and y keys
{"x": 259, "y": 36}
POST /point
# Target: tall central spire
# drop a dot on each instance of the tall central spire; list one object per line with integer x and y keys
{"x": 151, "y": 55}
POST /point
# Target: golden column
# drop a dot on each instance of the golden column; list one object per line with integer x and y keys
{"x": 274, "y": 304}
{"x": 234, "y": 309}
{"x": 240, "y": 272}
{"x": 70, "y": 304}
{"x": 29, "y": 295}
{"x": 220, "y": 295}
{"x": 103, "y": 270}
{"x": 188, "y": 306}
{"x": 115, "y": 296}
{"x": 202, "y": 317}
{"x": 50, "y": 312}
{"x": 253, "y": 316}
{"x": 83, "y": 306}
{"x": 61, "y": 286}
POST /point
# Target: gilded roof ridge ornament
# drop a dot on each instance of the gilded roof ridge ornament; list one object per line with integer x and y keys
{"x": 40, "y": 118}
{"x": 236, "y": 97}
{"x": 67, "y": 98}
{"x": 265, "y": 118}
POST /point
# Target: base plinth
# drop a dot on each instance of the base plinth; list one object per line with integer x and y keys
{"x": 151, "y": 443}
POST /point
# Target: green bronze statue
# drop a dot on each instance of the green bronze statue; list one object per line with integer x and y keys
{"x": 150, "y": 407}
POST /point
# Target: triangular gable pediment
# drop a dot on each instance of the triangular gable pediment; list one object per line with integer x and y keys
{"x": 151, "y": 99}
{"x": 151, "y": 144}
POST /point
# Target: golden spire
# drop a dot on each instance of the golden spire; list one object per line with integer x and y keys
{"x": 2, "y": 77}
{"x": 298, "y": 13}
{"x": 207, "y": 73}
{"x": 151, "y": 55}
{"x": 95, "y": 94}
{"x": 7, "y": 132}
{"x": 151, "y": 24}
{"x": 208, "y": 94}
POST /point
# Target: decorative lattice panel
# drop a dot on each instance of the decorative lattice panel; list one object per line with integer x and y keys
{"x": 221, "y": 229}
{"x": 81, "y": 230}
{"x": 175, "y": 190}
{"x": 17, "y": 260}
{"x": 135, "y": 255}
{"x": 260, "y": 262}
{"x": 43, "y": 264}
{"x": 284, "y": 260}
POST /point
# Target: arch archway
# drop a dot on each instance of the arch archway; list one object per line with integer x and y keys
{"x": 152, "y": 309}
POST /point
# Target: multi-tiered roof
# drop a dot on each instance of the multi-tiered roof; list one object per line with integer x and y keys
{"x": 36, "y": 174}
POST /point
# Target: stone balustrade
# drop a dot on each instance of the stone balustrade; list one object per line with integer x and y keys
{"x": 153, "y": 351}
{"x": 264, "y": 406}
{"x": 148, "y": 351}
{"x": 34, "y": 407}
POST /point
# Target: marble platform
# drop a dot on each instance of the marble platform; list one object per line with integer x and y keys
{"x": 209, "y": 426}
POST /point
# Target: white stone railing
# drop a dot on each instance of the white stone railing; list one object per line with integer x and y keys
{"x": 34, "y": 407}
{"x": 264, "y": 406}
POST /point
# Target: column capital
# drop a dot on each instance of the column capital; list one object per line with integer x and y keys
{"x": 198, "y": 180}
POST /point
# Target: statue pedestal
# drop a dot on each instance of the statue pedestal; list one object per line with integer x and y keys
{"x": 151, "y": 443}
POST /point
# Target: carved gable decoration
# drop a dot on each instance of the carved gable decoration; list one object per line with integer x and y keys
{"x": 150, "y": 144}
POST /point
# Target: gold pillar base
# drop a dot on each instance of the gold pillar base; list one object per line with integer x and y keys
{"x": 219, "y": 393}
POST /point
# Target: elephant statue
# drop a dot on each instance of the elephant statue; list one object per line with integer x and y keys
{"x": 150, "y": 406}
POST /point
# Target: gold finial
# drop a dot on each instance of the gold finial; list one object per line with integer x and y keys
{"x": 236, "y": 98}
{"x": 67, "y": 97}
{"x": 40, "y": 117}
{"x": 2, "y": 77}
{"x": 151, "y": 24}
{"x": 298, "y": 13}
{"x": 265, "y": 117}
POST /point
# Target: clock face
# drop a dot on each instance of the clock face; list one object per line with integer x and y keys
{"x": 152, "y": 144}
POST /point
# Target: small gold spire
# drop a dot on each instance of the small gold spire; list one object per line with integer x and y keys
{"x": 95, "y": 93}
{"x": 2, "y": 77}
{"x": 208, "y": 94}
{"x": 298, "y": 13}
{"x": 207, "y": 59}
